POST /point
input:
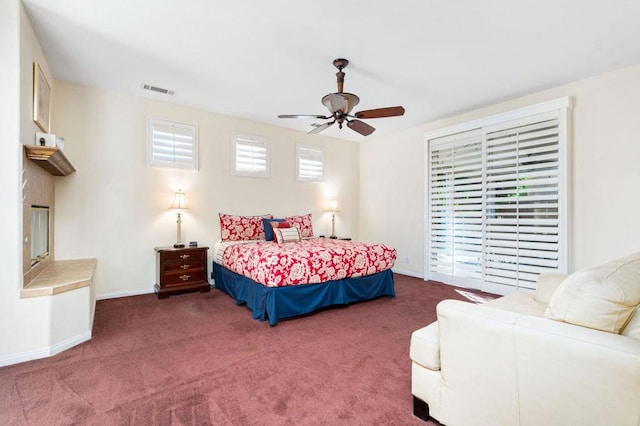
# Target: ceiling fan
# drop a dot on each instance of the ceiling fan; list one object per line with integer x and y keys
{"x": 340, "y": 105}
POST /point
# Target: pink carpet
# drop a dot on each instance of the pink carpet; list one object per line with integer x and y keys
{"x": 200, "y": 359}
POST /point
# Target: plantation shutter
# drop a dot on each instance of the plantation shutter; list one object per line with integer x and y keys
{"x": 310, "y": 163}
{"x": 172, "y": 144}
{"x": 522, "y": 221}
{"x": 497, "y": 192}
{"x": 456, "y": 208}
{"x": 251, "y": 157}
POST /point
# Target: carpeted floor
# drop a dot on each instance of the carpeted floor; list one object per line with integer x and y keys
{"x": 200, "y": 359}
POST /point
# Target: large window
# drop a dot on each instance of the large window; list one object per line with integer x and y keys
{"x": 172, "y": 144}
{"x": 497, "y": 199}
{"x": 250, "y": 156}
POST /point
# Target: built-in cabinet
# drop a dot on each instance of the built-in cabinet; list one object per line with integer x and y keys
{"x": 65, "y": 287}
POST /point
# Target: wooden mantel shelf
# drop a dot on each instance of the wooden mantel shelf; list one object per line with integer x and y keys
{"x": 50, "y": 158}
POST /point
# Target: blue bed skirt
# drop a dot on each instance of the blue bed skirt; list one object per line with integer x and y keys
{"x": 276, "y": 303}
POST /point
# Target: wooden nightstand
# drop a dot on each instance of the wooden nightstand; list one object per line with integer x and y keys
{"x": 181, "y": 270}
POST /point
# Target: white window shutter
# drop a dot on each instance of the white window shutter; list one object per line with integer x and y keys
{"x": 172, "y": 144}
{"x": 522, "y": 222}
{"x": 250, "y": 156}
{"x": 497, "y": 193}
{"x": 310, "y": 163}
{"x": 455, "y": 208}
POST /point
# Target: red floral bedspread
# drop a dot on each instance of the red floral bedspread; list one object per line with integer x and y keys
{"x": 306, "y": 262}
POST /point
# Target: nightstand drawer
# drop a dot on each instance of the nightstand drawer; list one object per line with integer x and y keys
{"x": 183, "y": 265}
{"x": 180, "y": 256}
{"x": 185, "y": 277}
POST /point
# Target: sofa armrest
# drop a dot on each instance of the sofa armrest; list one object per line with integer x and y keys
{"x": 537, "y": 369}
{"x": 547, "y": 284}
{"x": 425, "y": 346}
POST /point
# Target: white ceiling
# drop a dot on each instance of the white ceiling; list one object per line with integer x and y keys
{"x": 256, "y": 59}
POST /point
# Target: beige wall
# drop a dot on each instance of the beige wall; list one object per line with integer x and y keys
{"x": 115, "y": 208}
{"x": 605, "y": 163}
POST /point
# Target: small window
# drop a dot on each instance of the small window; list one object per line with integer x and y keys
{"x": 310, "y": 163}
{"x": 172, "y": 144}
{"x": 251, "y": 156}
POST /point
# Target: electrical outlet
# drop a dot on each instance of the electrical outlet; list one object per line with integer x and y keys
{"x": 407, "y": 259}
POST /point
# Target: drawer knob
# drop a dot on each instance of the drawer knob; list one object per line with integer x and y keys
{"x": 185, "y": 266}
{"x": 185, "y": 256}
{"x": 185, "y": 277}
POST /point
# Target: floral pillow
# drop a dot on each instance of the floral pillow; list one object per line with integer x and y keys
{"x": 303, "y": 223}
{"x": 241, "y": 228}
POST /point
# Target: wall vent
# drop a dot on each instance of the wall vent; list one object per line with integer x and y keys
{"x": 158, "y": 89}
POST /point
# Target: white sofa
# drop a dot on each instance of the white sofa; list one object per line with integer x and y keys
{"x": 522, "y": 360}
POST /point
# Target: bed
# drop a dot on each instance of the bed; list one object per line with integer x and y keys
{"x": 278, "y": 280}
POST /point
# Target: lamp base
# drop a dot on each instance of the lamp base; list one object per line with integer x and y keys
{"x": 178, "y": 245}
{"x": 333, "y": 237}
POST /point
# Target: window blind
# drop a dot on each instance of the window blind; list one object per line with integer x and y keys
{"x": 172, "y": 144}
{"x": 310, "y": 163}
{"x": 251, "y": 156}
{"x": 496, "y": 197}
{"x": 456, "y": 207}
{"x": 522, "y": 204}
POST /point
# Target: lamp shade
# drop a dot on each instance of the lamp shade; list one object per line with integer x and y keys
{"x": 179, "y": 201}
{"x": 333, "y": 205}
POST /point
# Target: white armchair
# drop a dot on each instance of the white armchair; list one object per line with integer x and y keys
{"x": 508, "y": 363}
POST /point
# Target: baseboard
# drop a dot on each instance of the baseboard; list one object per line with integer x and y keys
{"x": 409, "y": 273}
{"x": 123, "y": 294}
{"x": 44, "y": 352}
{"x": 129, "y": 293}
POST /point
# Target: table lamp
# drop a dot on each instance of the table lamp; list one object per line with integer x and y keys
{"x": 179, "y": 204}
{"x": 333, "y": 208}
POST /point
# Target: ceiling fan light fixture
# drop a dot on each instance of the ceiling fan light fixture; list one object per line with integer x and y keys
{"x": 343, "y": 102}
{"x": 340, "y": 104}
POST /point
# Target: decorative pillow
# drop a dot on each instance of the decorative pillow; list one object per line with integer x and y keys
{"x": 303, "y": 223}
{"x": 268, "y": 229}
{"x": 603, "y": 298}
{"x": 286, "y": 235}
{"x": 240, "y": 228}
{"x": 282, "y": 224}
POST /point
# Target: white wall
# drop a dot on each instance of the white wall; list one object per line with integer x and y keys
{"x": 10, "y": 200}
{"x": 605, "y": 163}
{"x": 25, "y": 329}
{"x": 115, "y": 208}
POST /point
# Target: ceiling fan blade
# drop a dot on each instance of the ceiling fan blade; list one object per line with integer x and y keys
{"x": 320, "y": 127}
{"x": 320, "y": 117}
{"x": 381, "y": 112}
{"x": 361, "y": 127}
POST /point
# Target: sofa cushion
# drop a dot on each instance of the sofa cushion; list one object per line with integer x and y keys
{"x": 521, "y": 303}
{"x": 425, "y": 346}
{"x": 632, "y": 329}
{"x": 602, "y": 298}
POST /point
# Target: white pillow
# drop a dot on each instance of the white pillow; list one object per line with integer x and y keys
{"x": 602, "y": 298}
{"x": 286, "y": 235}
